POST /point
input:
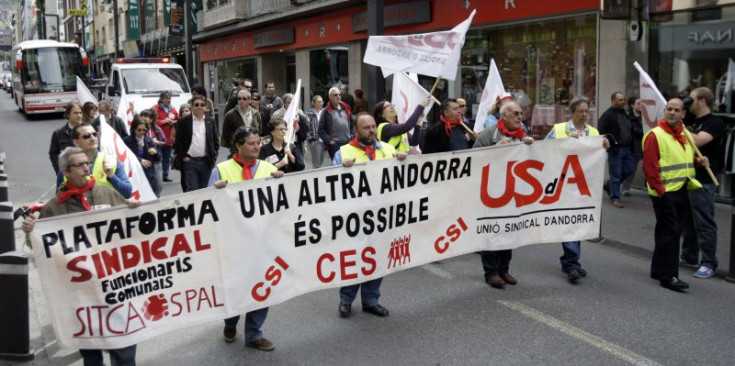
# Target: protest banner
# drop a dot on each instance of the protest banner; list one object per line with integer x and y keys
{"x": 652, "y": 102}
{"x": 433, "y": 54}
{"x": 493, "y": 88}
{"x": 119, "y": 276}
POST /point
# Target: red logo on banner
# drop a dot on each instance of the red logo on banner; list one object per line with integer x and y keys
{"x": 400, "y": 251}
{"x": 520, "y": 170}
{"x": 454, "y": 231}
{"x": 155, "y": 308}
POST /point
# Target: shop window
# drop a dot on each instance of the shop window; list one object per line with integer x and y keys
{"x": 328, "y": 69}
{"x": 543, "y": 64}
{"x": 231, "y": 74}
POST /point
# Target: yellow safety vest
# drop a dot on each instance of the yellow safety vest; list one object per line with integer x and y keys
{"x": 675, "y": 164}
{"x": 560, "y": 130}
{"x": 231, "y": 171}
{"x": 98, "y": 171}
{"x": 399, "y": 142}
{"x": 348, "y": 151}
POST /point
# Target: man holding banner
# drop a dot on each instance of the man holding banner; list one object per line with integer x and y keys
{"x": 363, "y": 148}
{"x": 243, "y": 166}
{"x": 446, "y": 134}
{"x": 80, "y": 193}
{"x": 668, "y": 165}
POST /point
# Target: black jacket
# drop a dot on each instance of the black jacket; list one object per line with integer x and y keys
{"x": 183, "y": 139}
{"x": 117, "y": 124}
{"x": 325, "y": 123}
{"x": 608, "y": 124}
{"x": 60, "y": 140}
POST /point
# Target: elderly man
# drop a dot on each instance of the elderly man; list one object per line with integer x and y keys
{"x": 668, "y": 165}
{"x": 707, "y": 131}
{"x": 106, "y": 169}
{"x": 196, "y": 145}
{"x": 105, "y": 109}
{"x": 576, "y": 127}
{"x": 335, "y": 123}
{"x": 80, "y": 193}
{"x": 245, "y": 165}
{"x": 364, "y": 148}
{"x": 242, "y": 115}
{"x": 269, "y": 103}
{"x": 496, "y": 263}
{"x": 616, "y": 124}
{"x": 246, "y": 84}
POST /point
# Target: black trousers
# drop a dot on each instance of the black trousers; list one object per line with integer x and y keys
{"x": 672, "y": 214}
{"x": 495, "y": 262}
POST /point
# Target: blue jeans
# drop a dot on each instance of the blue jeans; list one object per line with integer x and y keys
{"x": 570, "y": 259}
{"x": 621, "y": 166}
{"x": 158, "y": 177}
{"x": 167, "y": 150}
{"x": 118, "y": 357}
{"x": 370, "y": 293}
{"x": 253, "y": 321}
{"x": 196, "y": 173}
{"x": 703, "y": 237}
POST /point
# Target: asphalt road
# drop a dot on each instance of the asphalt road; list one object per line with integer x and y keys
{"x": 444, "y": 313}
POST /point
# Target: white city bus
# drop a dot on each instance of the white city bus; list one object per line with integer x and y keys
{"x": 44, "y": 75}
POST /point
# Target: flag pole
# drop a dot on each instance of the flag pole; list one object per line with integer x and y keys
{"x": 699, "y": 154}
{"x": 431, "y": 92}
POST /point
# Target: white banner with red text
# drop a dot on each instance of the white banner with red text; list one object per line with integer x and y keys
{"x": 120, "y": 276}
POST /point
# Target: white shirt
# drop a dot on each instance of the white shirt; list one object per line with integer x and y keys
{"x": 247, "y": 117}
{"x": 198, "y": 147}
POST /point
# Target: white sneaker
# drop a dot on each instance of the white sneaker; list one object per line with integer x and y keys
{"x": 704, "y": 272}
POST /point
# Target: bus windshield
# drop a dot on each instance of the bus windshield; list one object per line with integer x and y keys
{"x": 145, "y": 81}
{"x": 51, "y": 70}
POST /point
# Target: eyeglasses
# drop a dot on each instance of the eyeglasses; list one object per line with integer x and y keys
{"x": 88, "y": 136}
{"x": 517, "y": 113}
{"x": 463, "y": 105}
{"x": 247, "y": 86}
{"x": 248, "y": 98}
{"x": 389, "y": 106}
{"x": 199, "y": 104}
{"x": 79, "y": 165}
{"x": 335, "y": 95}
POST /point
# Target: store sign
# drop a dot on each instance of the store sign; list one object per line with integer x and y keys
{"x": 399, "y": 14}
{"x": 131, "y": 49}
{"x": 176, "y": 18}
{"x": 615, "y": 9}
{"x": 273, "y": 38}
{"x": 133, "y": 19}
{"x": 694, "y": 37}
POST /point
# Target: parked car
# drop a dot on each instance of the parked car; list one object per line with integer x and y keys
{"x": 8, "y": 83}
{"x": 3, "y": 79}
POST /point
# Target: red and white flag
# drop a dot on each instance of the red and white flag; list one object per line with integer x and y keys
{"x": 493, "y": 89}
{"x": 653, "y": 103}
{"x": 433, "y": 54}
{"x": 291, "y": 116}
{"x": 407, "y": 94}
{"x": 125, "y": 110}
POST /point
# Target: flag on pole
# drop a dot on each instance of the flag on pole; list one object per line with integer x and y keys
{"x": 291, "y": 116}
{"x": 83, "y": 94}
{"x": 114, "y": 148}
{"x": 125, "y": 111}
{"x": 653, "y": 103}
{"x": 493, "y": 89}
{"x": 433, "y": 54}
{"x": 407, "y": 94}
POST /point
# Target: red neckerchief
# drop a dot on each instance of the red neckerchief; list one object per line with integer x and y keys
{"x": 518, "y": 134}
{"x": 678, "y": 134}
{"x": 247, "y": 174}
{"x": 448, "y": 125}
{"x": 342, "y": 104}
{"x": 369, "y": 150}
{"x": 71, "y": 191}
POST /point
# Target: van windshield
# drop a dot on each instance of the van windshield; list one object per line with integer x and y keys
{"x": 144, "y": 81}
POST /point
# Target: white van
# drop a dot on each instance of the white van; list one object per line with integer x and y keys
{"x": 143, "y": 81}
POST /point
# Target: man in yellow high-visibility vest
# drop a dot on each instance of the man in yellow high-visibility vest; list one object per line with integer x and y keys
{"x": 668, "y": 165}
{"x": 363, "y": 148}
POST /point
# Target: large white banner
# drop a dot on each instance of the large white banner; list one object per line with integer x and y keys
{"x": 493, "y": 88}
{"x": 653, "y": 103}
{"x": 119, "y": 276}
{"x": 433, "y": 54}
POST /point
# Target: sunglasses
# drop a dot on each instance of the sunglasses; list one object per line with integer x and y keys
{"x": 79, "y": 165}
{"x": 243, "y": 98}
{"x": 463, "y": 105}
{"x": 199, "y": 105}
{"x": 88, "y": 136}
{"x": 247, "y": 86}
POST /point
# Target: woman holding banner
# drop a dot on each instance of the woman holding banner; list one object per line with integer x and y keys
{"x": 394, "y": 133}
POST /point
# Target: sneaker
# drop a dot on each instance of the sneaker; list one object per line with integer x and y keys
{"x": 684, "y": 263}
{"x": 262, "y": 344}
{"x": 229, "y": 334}
{"x": 704, "y": 272}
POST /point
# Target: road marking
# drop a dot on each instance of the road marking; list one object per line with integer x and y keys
{"x": 42, "y": 349}
{"x": 570, "y": 330}
{"x": 433, "y": 269}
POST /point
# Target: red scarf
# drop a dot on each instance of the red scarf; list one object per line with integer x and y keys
{"x": 71, "y": 191}
{"x": 678, "y": 135}
{"x": 518, "y": 134}
{"x": 369, "y": 150}
{"x": 247, "y": 174}
{"x": 448, "y": 125}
